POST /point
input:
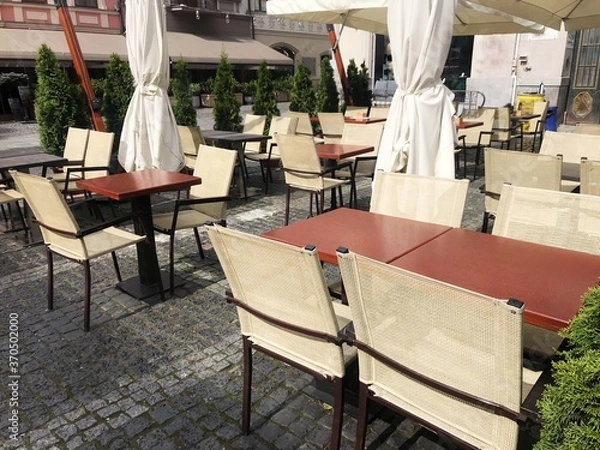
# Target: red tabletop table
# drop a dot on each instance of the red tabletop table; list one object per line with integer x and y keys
{"x": 549, "y": 280}
{"x": 137, "y": 187}
{"x": 364, "y": 121}
{"x": 376, "y": 236}
{"x": 468, "y": 124}
{"x": 335, "y": 152}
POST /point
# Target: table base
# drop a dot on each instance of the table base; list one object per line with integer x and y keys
{"x": 134, "y": 287}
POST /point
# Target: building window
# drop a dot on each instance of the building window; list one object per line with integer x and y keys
{"x": 588, "y": 60}
{"x": 226, "y": 6}
{"x": 260, "y": 5}
{"x": 87, "y": 3}
{"x": 310, "y": 64}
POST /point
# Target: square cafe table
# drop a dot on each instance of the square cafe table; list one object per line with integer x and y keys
{"x": 376, "y": 236}
{"x": 549, "y": 280}
{"x": 137, "y": 187}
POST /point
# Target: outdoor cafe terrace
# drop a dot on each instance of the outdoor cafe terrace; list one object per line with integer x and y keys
{"x": 167, "y": 374}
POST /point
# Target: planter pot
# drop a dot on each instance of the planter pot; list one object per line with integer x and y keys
{"x": 196, "y": 101}
{"x": 207, "y": 100}
{"x": 239, "y": 97}
{"x": 16, "y": 107}
{"x": 248, "y": 99}
{"x": 282, "y": 96}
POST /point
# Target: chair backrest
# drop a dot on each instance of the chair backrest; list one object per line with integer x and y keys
{"x": 76, "y": 143}
{"x": 572, "y": 146}
{"x": 332, "y": 124}
{"x": 519, "y": 169}
{"x": 460, "y": 339}
{"x": 279, "y": 126}
{"x": 190, "y": 138}
{"x": 502, "y": 124}
{"x": 304, "y": 125}
{"x": 559, "y": 219}
{"x": 353, "y": 111}
{"x": 98, "y": 152}
{"x": 215, "y": 167}
{"x": 254, "y": 124}
{"x": 587, "y": 128}
{"x": 472, "y": 135}
{"x": 418, "y": 197}
{"x": 379, "y": 112}
{"x": 540, "y": 108}
{"x": 51, "y": 210}
{"x": 301, "y": 164}
{"x": 590, "y": 177}
{"x": 359, "y": 134}
{"x": 285, "y": 283}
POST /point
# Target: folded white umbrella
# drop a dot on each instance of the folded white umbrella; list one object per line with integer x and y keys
{"x": 149, "y": 138}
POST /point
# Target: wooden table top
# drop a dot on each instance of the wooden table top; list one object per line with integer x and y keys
{"x": 9, "y": 153}
{"x": 376, "y": 236}
{"x": 233, "y": 136}
{"x": 124, "y": 186}
{"x": 339, "y": 151}
{"x": 468, "y": 124}
{"x": 549, "y": 280}
{"x": 365, "y": 121}
{"x": 28, "y": 161}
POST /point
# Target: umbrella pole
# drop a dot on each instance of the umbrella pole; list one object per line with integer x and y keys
{"x": 339, "y": 64}
{"x": 79, "y": 63}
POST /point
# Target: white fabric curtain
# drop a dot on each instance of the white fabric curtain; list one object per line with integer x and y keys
{"x": 149, "y": 138}
{"x": 419, "y": 135}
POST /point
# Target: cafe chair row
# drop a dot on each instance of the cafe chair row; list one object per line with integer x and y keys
{"x": 416, "y": 354}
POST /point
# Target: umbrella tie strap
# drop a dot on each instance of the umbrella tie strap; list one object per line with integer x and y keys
{"x": 150, "y": 89}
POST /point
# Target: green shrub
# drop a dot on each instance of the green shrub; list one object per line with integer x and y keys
{"x": 227, "y": 108}
{"x": 302, "y": 95}
{"x": 265, "y": 103}
{"x": 58, "y": 103}
{"x": 183, "y": 108}
{"x": 328, "y": 98}
{"x": 195, "y": 88}
{"x": 117, "y": 91}
{"x": 358, "y": 82}
{"x": 570, "y": 406}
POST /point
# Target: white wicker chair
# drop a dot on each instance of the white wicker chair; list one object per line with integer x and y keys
{"x": 520, "y": 169}
{"x": 62, "y": 235}
{"x": 417, "y": 197}
{"x": 444, "y": 356}
{"x": 206, "y": 202}
{"x": 287, "y": 315}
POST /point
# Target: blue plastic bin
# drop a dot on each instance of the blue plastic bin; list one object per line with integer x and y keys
{"x": 551, "y": 118}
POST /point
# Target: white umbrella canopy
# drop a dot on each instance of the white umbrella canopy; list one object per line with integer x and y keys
{"x": 149, "y": 138}
{"x": 573, "y": 14}
{"x": 371, "y": 15}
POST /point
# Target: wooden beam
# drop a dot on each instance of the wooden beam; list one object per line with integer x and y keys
{"x": 339, "y": 64}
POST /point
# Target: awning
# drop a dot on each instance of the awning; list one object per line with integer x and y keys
{"x": 23, "y": 45}
{"x": 196, "y": 49}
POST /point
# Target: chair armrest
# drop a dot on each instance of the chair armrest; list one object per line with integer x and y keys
{"x": 341, "y": 165}
{"x": 199, "y": 201}
{"x": 103, "y": 225}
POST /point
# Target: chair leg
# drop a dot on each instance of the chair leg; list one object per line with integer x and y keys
{"x": 484, "y": 225}
{"x": 247, "y": 384}
{"x": 287, "y": 204}
{"x": 361, "y": 421}
{"x": 338, "y": 414}
{"x": 116, "y": 264}
{"x": 50, "y": 279}
{"x": 477, "y": 158}
{"x": 171, "y": 263}
{"x": 198, "y": 243}
{"x": 88, "y": 294}
{"x": 321, "y": 196}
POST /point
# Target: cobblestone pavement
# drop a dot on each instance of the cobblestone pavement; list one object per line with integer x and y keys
{"x": 161, "y": 375}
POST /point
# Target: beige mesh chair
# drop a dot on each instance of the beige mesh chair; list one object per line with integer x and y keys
{"x": 519, "y": 169}
{"x": 303, "y": 171}
{"x": 190, "y": 138}
{"x": 590, "y": 177}
{"x": 446, "y": 357}
{"x": 95, "y": 164}
{"x": 253, "y": 124}
{"x": 379, "y": 112}
{"x": 587, "y": 128}
{"x": 477, "y": 137}
{"x": 504, "y": 131}
{"x": 417, "y": 197}
{"x": 304, "y": 126}
{"x": 74, "y": 151}
{"x": 537, "y": 126}
{"x": 363, "y": 165}
{"x": 332, "y": 126}
{"x": 62, "y": 235}
{"x": 271, "y": 158}
{"x": 287, "y": 315}
{"x": 9, "y": 199}
{"x": 559, "y": 219}
{"x": 206, "y": 202}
